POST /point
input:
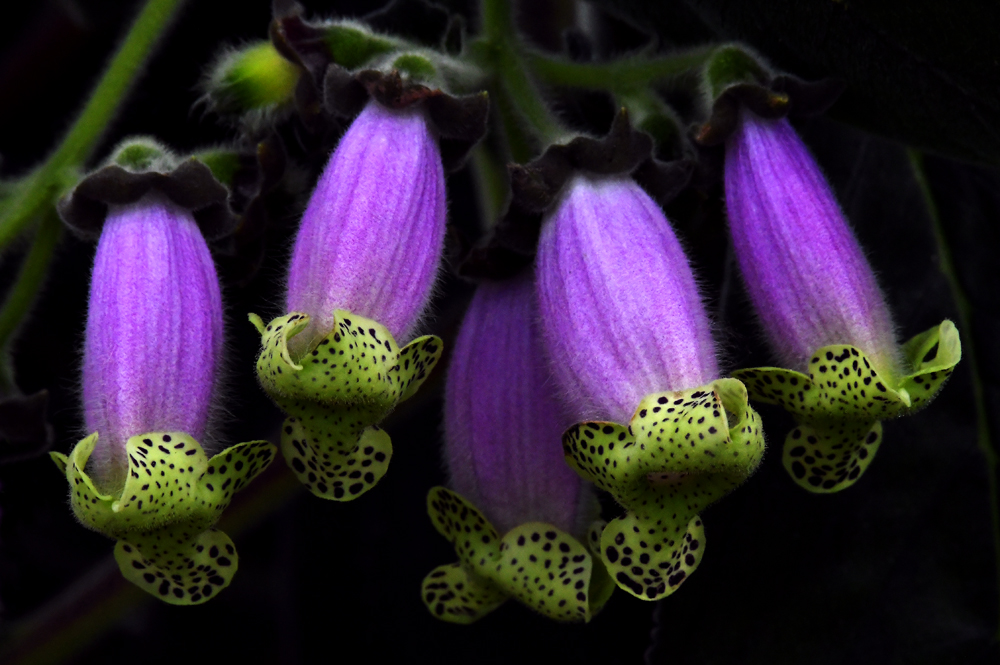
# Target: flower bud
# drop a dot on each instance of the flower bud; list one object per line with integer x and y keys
{"x": 255, "y": 77}
{"x": 151, "y": 356}
{"x": 821, "y": 307}
{"x": 630, "y": 341}
{"x": 502, "y": 430}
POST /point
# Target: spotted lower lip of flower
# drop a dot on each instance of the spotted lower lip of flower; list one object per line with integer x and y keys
{"x": 540, "y": 565}
{"x": 682, "y": 451}
{"x": 163, "y": 517}
{"x": 335, "y": 395}
{"x": 840, "y": 403}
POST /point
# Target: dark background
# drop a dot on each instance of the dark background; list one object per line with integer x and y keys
{"x": 900, "y": 568}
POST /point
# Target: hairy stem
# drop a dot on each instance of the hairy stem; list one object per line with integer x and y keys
{"x": 39, "y": 189}
{"x": 618, "y": 76}
{"x": 965, "y": 315}
{"x": 500, "y": 52}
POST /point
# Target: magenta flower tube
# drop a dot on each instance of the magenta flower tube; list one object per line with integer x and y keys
{"x": 154, "y": 330}
{"x": 521, "y": 521}
{"x": 817, "y": 298}
{"x": 804, "y": 270}
{"x": 503, "y": 424}
{"x": 361, "y": 273}
{"x": 371, "y": 237}
{"x": 631, "y": 349}
{"x": 151, "y": 356}
{"x": 621, "y": 312}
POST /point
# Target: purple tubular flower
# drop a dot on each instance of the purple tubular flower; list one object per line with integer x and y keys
{"x": 630, "y": 343}
{"x": 806, "y": 274}
{"x": 512, "y": 489}
{"x": 371, "y": 237}
{"x": 621, "y": 312}
{"x": 154, "y": 330}
{"x": 503, "y": 425}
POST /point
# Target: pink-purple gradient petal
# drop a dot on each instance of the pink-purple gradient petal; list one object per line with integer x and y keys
{"x": 371, "y": 237}
{"x": 620, "y": 308}
{"x": 154, "y": 330}
{"x": 503, "y": 425}
{"x": 805, "y": 272}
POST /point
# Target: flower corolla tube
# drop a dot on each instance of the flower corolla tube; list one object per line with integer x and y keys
{"x": 631, "y": 349}
{"x": 361, "y": 273}
{"x": 819, "y": 303}
{"x": 151, "y": 357}
{"x": 521, "y": 521}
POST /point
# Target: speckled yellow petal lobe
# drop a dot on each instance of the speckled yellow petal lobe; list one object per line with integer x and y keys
{"x": 681, "y": 452}
{"x": 335, "y": 395}
{"x": 162, "y": 517}
{"x": 840, "y": 403}
{"x": 535, "y": 563}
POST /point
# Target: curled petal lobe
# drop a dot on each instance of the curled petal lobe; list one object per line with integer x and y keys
{"x": 336, "y": 394}
{"x": 536, "y": 563}
{"x": 163, "y": 515}
{"x": 840, "y": 403}
{"x": 680, "y": 452}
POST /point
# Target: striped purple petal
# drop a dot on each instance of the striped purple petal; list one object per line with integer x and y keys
{"x": 371, "y": 237}
{"x": 620, "y": 309}
{"x": 154, "y": 330}
{"x": 805, "y": 272}
{"x": 503, "y": 425}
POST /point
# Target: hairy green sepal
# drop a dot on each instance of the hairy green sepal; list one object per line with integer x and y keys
{"x": 163, "y": 517}
{"x": 839, "y": 405}
{"x": 680, "y": 452}
{"x": 335, "y": 395}
{"x": 541, "y": 566}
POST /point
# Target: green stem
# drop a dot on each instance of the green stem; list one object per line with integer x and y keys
{"x": 617, "y": 76}
{"x": 947, "y": 265}
{"x": 491, "y": 184}
{"x": 22, "y": 294}
{"x": 500, "y": 52}
{"x": 41, "y": 187}
{"x": 650, "y": 113}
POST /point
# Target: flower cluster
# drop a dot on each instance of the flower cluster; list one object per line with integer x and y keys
{"x": 586, "y": 360}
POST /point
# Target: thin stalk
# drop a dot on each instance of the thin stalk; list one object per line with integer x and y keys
{"x": 42, "y": 186}
{"x": 947, "y": 265}
{"x": 617, "y": 76}
{"x": 501, "y": 53}
{"x": 33, "y": 270}
{"x": 21, "y": 295}
{"x": 491, "y": 184}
